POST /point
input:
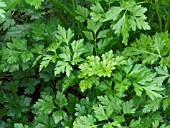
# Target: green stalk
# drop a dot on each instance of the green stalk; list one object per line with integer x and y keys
{"x": 157, "y": 9}
{"x": 167, "y": 23}
{"x": 73, "y": 4}
{"x": 65, "y": 7}
{"x": 95, "y": 44}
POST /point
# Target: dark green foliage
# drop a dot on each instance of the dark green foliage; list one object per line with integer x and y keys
{"x": 84, "y": 64}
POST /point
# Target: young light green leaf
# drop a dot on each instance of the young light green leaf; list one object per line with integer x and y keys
{"x": 88, "y": 82}
{"x": 95, "y": 66}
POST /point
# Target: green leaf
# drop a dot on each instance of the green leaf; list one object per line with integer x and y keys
{"x": 89, "y": 35}
{"x": 44, "y": 121}
{"x": 29, "y": 84}
{"x": 82, "y": 13}
{"x": 149, "y": 49}
{"x": 80, "y": 110}
{"x": 19, "y": 125}
{"x": 58, "y": 115}
{"x": 63, "y": 35}
{"x": 72, "y": 101}
{"x": 84, "y": 122}
{"x": 152, "y": 106}
{"x": 138, "y": 89}
{"x": 128, "y": 107}
{"x": 153, "y": 91}
{"x": 166, "y": 103}
{"x": 9, "y": 21}
{"x": 121, "y": 85}
{"x": 162, "y": 70}
{"x": 18, "y": 31}
{"x": 165, "y": 2}
{"x": 62, "y": 67}
{"x": 11, "y": 86}
{"x": 134, "y": 124}
{"x": 93, "y": 26}
{"x": 113, "y": 13}
{"x": 111, "y": 104}
{"x": 119, "y": 119}
{"x": 16, "y": 54}
{"x": 163, "y": 74}
{"x": 165, "y": 126}
{"x": 66, "y": 53}
{"x": 36, "y": 3}
{"x": 61, "y": 100}
{"x": 84, "y": 107}
{"x": 16, "y": 105}
{"x": 100, "y": 113}
{"x": 78, "y": 50}
{"x": 122, "y": 27}
{"x": 38, "y": 31}
{"x": 11, "y": 3}
{"x": 69, "y": 81}
{"x": 54, "y": 46}
{"x": 2, "y": 12}
{"x": 26, "y": 56}
{"x": 159, "y": 43}
{"x": 46, "y": 60}
{"x": 155, "y": 124}
{"x": 103, "y": 34}
{"x": 88, "y": 82}
{"x": 45, "y": 105}
{"x": 137, "y": 18}
{"x": 97, "y": 13}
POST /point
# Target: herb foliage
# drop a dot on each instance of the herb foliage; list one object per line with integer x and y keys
{"x": 84, "y": 63}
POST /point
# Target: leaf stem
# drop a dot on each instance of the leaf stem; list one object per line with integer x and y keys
{"x": 167, "y": 23}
